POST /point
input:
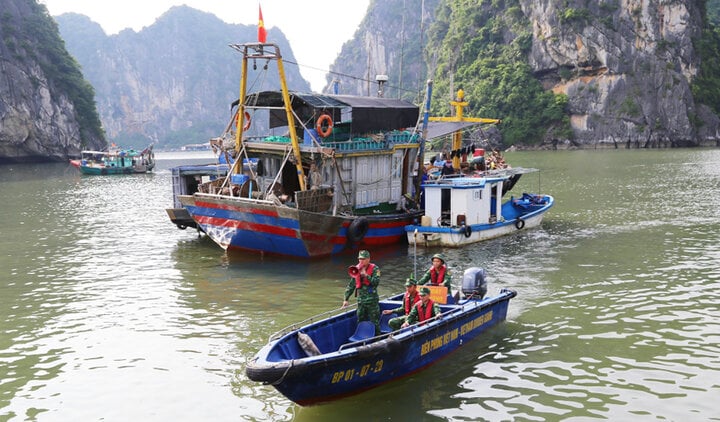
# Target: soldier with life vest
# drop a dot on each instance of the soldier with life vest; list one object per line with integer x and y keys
{"x": 438, "y": 274}
{"x": 423, "y": 310}
{"x": 364, "y": 281}
{"x": 410, "y": 298}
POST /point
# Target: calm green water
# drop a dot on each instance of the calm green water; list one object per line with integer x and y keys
{"x": 108, "y": 312}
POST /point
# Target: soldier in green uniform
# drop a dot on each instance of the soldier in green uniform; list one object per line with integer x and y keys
{"x": 438, "y": 274}
{"x": 423, "y": 310}
{"x": 365, "y": 286}
{"x": 409, "y": 299}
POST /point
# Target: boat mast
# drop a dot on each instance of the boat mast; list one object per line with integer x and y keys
{"x": 460, "y": 105}
{"x": 421, "y": 148}
{"x": 267, "y": 51}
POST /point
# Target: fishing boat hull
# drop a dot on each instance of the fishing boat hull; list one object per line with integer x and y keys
{"x": 363, "y": 365}
{"x": 513, "y": 219}
{"x": 103, "y": 170}
{"x": 186, "y": 180}
{"x": 262, "y": 226}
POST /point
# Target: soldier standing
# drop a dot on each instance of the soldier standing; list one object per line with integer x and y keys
{"x": 364, "y": 283}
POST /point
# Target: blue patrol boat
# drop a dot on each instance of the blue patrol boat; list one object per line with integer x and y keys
{"x": 329, "y": 357}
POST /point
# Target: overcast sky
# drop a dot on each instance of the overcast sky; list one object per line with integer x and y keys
{"x": 316, "y": 29}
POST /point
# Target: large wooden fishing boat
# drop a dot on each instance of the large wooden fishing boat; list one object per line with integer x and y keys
{"x": 331, "y": 172}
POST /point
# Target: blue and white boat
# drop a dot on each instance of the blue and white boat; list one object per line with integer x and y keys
{"x": 464, "y": 210}
{"x": 329, "y": 357}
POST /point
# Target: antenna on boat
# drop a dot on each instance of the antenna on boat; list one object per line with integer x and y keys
{"x": 415, "y": 255}
{"x": 423, "y": 139}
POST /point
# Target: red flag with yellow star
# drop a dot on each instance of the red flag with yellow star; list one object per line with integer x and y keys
{"x": 262, "y": 34}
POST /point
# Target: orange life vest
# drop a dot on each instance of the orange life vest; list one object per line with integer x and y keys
{"x": 427, "y": 314}
{"x": 358, "y": 282}
{"x": 437, "y": 277}
{"x": 410, "y": 302}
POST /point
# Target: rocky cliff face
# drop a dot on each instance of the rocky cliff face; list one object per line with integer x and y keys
{"x": 39, "y": 118}
{"x": 388, "y": 42}
{"x": 626, "y": 68}
{"x": 173, "y": 82}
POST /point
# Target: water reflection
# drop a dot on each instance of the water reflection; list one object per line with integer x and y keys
{"x": 616, "y": 315}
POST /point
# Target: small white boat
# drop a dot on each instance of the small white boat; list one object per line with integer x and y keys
{"x": 464, "y": 210}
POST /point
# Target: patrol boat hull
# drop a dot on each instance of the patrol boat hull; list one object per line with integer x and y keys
{"x": 345, "y": 368}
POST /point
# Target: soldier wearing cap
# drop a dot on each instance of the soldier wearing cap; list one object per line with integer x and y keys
{"x": 425, "y": 309}
{"x": 365, "y": 286}
{"x": 410, "y": 298}
{"x": 438, "y": 274}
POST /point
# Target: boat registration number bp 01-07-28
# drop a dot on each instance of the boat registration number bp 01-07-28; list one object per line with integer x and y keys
{"x": 349, "y": 374}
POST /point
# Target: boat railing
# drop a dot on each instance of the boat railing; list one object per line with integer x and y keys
{"x": 367, "y": 340}
{"x": 408, "y": 328}
{"x": 315, "y": 318}
{"x": 456, "y": 309}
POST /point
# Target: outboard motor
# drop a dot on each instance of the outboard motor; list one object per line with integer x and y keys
{"x": 474, "y": 284}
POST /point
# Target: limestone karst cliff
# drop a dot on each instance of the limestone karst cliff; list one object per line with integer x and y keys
{"x": 172, "y": 82}
{"x": 583, "y": 73}
{"x": 47, "y": 110}
{"x": 626, "y": 68}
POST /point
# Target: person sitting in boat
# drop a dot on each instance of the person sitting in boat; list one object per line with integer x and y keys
{"x": 364, "y": 281}
{"x": 410, "y": 298}
{"x": 423, "y": 310}
{"x": 438, "y": 274}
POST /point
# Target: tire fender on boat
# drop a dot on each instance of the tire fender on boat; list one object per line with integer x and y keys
{"x": 468, "y": 231}
{"x": 357, "y": 229}
{"x": 519, "y": 224}
{"x": 269, "y": 374}
{"x": 324, "y": 120}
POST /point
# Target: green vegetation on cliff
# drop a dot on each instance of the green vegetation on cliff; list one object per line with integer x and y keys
{"x": 482, "y": 48}
{"x": 36, "y": 37}
{"x": 706, "y": 87}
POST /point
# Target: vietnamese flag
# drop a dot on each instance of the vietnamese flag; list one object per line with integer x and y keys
{"x": 262, "y": 34}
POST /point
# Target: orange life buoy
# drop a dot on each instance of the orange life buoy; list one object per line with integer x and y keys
{"x": 246, "y": 126}
{"x": 324, "y": 120}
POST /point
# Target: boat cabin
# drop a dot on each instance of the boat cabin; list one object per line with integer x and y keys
{"x": 357, "y": 155}
{"x": 463, "y": 201}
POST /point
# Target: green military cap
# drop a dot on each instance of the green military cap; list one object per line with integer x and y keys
{"x": 365, "y": 254}
{"x": 439, "y": 256}
{"x": 410, "y": 282}
{"x": 424, "y": 291}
